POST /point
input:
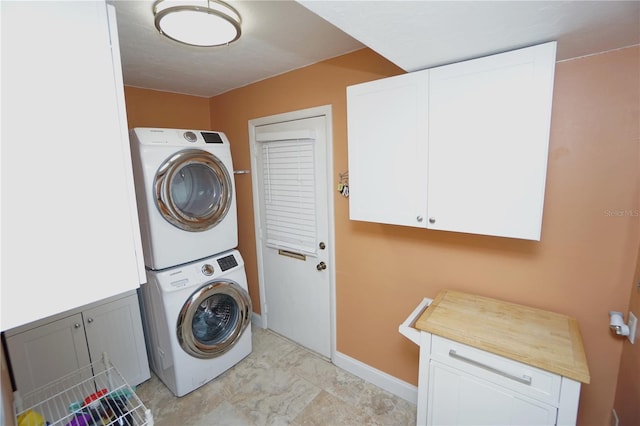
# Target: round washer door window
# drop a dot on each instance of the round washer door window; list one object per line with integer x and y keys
{"x": 213, "y": 319}
{"x": 193, "y": 190}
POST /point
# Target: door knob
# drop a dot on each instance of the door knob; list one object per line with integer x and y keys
{"x": 320, "y": 266}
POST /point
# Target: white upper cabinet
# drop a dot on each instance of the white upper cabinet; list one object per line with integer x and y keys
{"x": 462, "y": 147}
{"x": 69, "y": 218}
{"x": 387, "y": 150}
{"x": 488, "y": 139}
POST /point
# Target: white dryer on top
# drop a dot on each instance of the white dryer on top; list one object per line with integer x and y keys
{"x": 186, "y": 194}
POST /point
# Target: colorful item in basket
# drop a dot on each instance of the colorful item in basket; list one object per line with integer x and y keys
{"x": 116, "y": 406}
{"x": 93, "y": 407}
{"x": 93, "y": 399}
{"x": 81, "y": 419}
{"x": 31, "y": 418}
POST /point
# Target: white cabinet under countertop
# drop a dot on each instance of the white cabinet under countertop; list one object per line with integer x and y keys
{"x": 469, "y": 387}
{"x": 461, "y": 147}
{"x": 53, "y": 347}
{"x": 489, "y": 362}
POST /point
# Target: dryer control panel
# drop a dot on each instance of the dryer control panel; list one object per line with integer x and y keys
{"x": 210, "y": 137}
{"x": 176, "y": 137}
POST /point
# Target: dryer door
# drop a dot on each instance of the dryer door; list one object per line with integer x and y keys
{"x": 193, "y": 190}
{"x": 213, "y": 319}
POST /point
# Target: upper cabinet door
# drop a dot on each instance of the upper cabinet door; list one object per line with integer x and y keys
{"x": 70, "y": 230}
{"x": 489, "y": 123}
{"x": 387, "y": 133}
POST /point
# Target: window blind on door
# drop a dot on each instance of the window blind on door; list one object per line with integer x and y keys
{"x": 289, "y": 194}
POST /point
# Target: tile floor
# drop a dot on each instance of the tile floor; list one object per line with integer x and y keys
{"x": 280, "y": 383}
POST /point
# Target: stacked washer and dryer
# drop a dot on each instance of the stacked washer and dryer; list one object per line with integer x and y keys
{"x": 196, "y": 306}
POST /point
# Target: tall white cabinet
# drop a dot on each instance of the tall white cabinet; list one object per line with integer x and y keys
{"x": 69, "y": 221}
{"x": 461, "y": 147}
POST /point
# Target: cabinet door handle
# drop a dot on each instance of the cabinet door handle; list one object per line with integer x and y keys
{"x": 90, "y": 320}
{"x": 522, "y": 379}
{"x": 76, "y": 325}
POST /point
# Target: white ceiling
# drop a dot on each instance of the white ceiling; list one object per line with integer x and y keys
{"x": 277, "y": 36}
{"x": 283, "y": 35}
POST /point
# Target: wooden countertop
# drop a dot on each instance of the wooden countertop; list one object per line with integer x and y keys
{"x": 533, "y": 336}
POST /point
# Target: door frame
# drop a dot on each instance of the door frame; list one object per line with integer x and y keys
{"x": 326, "y": 111}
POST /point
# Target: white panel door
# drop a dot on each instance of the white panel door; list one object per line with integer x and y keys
{"x": 489, "y": 123}
{"x": 291, "y": 179}
{"x": 387, "y": 131}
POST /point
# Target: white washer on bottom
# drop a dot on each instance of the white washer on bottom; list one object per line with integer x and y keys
{"x": 196, "y": 319}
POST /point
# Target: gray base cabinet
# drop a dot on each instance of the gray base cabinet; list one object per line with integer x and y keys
{"x": 48, "y": 349}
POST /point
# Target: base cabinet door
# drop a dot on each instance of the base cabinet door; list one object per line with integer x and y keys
{"x": 459, "y": 398}
{"x": 48, "y": 352}
{"x": 116, "y": 329}
{"x": 51, "y": 348}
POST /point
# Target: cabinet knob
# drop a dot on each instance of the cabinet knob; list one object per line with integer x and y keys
{"x": 76, "y": 325}
{"x": 419, "y": 218}
{"x": 432, "y": 220}
{"x": 90, "y": 320}
{"x": 321, "y": 266}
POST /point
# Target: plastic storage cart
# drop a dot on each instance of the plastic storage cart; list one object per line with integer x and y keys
{"x": 93, "y": 395}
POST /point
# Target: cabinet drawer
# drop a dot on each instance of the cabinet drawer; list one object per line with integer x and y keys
{"x": 519, "y": 377}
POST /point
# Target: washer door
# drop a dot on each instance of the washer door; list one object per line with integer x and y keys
{"x": 213, "y": 319}
{"x": 193, "y": 190}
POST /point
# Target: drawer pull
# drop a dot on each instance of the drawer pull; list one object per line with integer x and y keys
{"x": 522, "y": 379}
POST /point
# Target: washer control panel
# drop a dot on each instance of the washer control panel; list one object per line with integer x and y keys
{"x": 227, "y": 262}
{"x": 190, "y": 136}
{"x": 207, "y": 269}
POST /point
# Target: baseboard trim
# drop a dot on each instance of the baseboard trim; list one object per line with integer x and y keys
{"x": 379, "y": 378}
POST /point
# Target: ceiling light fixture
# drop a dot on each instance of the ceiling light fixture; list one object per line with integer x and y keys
{"x": 197, "y": 22}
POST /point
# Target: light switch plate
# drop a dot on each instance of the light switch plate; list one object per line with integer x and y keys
{"x": 633, "y": 326}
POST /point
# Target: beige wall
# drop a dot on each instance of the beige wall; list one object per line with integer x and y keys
{"x": 150, "y": 108}
{"x": 582, "y": 267}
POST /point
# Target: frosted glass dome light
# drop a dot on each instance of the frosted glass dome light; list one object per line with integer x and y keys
{"x": 197, "y": 22}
